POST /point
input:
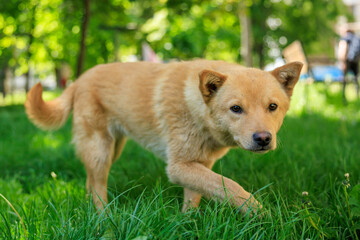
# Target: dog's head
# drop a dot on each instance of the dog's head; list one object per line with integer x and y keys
{"x": 246, "y": 106}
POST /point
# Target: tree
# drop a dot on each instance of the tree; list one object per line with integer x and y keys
{"x": 84, "y": 30}
{"x": 246, "y": 34}
{"x": 38, "y": 36}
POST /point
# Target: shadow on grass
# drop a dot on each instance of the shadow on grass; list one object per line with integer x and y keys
{"x": 12, "y": 108}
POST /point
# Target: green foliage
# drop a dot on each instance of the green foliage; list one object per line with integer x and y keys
{"x": 42, "y": 34}
{"x": 276, "y": 24}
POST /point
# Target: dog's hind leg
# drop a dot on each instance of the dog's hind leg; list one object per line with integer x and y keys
{"x": 96, "y": 149}
{"x": 119, "y": 146}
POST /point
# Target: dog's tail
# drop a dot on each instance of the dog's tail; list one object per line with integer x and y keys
{"x": 52, "y": 114}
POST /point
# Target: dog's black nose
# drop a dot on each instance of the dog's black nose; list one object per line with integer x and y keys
{"x": 262, "y": 138}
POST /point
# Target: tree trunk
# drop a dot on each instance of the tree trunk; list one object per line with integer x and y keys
{"x": 104, "y": 51}
{"x": 84, "y": 29}
{"x": 27, "y": 80}
{"x": 29, "y": 54}
{"x": 260, "y": 52}
{"x": 245, "y": 25}
{"x": 2, "y": 81}
{"x": 116, "y": 45}
{"x": 8, "y": 81}
{"x": 58, "y": 75}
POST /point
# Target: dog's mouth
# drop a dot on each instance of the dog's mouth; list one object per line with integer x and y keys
{"x": 260, "y": 149}
{"x": 253, "y": 147}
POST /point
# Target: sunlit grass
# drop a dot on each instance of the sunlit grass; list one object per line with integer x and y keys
{"x": 319, "y": 142}
{"x": 20, "y": 97}
{"x": 325, "y": 99}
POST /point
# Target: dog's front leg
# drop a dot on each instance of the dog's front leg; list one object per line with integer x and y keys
{"x": 191, "y": 199}
{"x": 198, "y": 178}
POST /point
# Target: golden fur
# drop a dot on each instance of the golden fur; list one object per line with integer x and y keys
{"x": 180, "y": 111}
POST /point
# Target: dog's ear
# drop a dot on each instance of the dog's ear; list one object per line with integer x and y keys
{"x": 288, "y": 75}
{"x": 210, "y": 82}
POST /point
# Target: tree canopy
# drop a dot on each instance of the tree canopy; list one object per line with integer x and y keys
{"x": 40, "y": 35}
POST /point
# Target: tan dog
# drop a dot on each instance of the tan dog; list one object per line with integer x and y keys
{"x": 188, "y": 113}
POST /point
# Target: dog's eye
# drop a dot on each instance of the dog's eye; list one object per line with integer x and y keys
{"x": 236, "y": 109}
{"x": 273, "y": 107}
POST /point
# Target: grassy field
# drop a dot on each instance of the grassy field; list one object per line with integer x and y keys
{"x": 43, "y": 180}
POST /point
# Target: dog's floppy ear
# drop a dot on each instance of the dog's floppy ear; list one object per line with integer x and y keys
{"x": 210, "y": 82}
{"x": 288, "y": 75}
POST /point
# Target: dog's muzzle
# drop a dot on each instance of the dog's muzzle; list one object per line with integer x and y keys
{"x": 262, "y": 139}
{"x": 261, "y": 142}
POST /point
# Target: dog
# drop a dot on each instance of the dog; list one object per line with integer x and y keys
{"x": 187, "y": 113}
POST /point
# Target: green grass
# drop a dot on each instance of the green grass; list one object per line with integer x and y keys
{"x": 319, "y": 142}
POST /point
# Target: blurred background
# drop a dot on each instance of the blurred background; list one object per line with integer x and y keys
{"x": 54, "y": 41}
